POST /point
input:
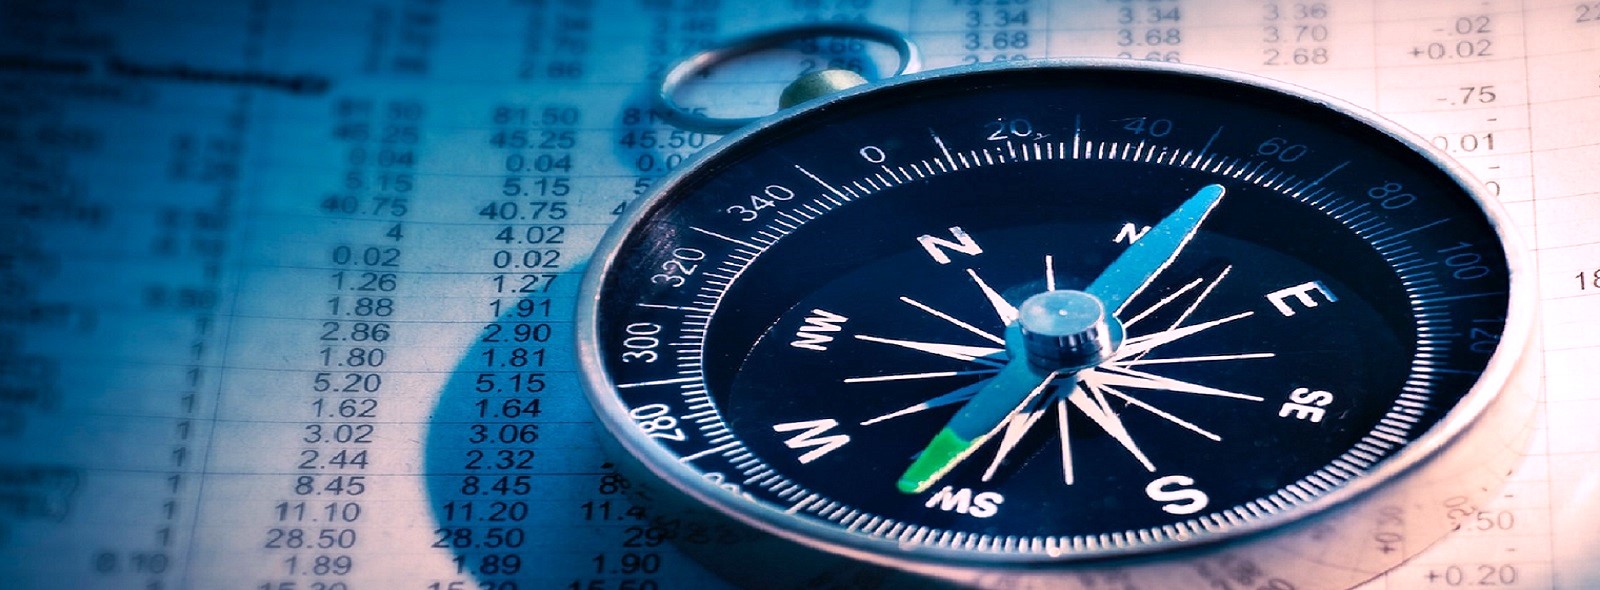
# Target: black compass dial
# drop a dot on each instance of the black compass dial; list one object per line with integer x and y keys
{"x": 1027, "y": 309}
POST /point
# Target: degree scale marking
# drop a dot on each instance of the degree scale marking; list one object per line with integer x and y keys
{"x": 723, "y": 237}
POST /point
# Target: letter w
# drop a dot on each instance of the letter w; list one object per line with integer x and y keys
{"x": 812, "y": 438}
{"x": 814, "y": 334}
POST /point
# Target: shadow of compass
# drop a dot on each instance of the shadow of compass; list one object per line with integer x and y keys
{"x": 519, "y": 489}
{"x": 520, "y": 492}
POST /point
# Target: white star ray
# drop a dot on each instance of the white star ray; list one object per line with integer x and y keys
{"x": 956, "y": 351}
{"x": 1140, "y": 344}
{"x": 958, "y": 323}
{"x": 957, "y": 396}
{"x": 1002, "y": 308}
{"x": 1016, "y": 426}
{"x": 1110, "y": 422}
{"x": 1163, "y": 302}
{"x": 1066, "y": 441}
{"x": 1125, "y": 377}
{"x": 1197, "y": 301}
{"x": 912, "y": 376}
{"x": 1193, "y": 359}
{"x": 1154, "y": 410}
{"x": 1203, "y": 295}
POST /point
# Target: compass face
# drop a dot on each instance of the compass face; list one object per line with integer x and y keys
{"x": 1251, "y": 300}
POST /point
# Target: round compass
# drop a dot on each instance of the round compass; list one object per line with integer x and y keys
{"x": 1111, "y": 324}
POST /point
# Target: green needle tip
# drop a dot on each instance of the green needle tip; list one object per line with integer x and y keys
{"x": 941, "y": 454}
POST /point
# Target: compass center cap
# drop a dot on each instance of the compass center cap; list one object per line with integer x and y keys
{"x": 1065, "y": 329}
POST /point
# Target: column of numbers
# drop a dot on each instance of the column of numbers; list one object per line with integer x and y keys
{"x": 1150, "y": 30}
{"x": 556, "y": 41}
{"x": 1295, "y": 33}
{"x": 316, "y": 531}
{"x": 999, "y": 30}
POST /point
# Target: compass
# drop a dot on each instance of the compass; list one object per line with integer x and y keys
{"x": 1066, "y": 324}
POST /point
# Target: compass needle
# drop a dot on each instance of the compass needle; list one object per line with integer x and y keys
{"x": 1124, "y": 279}
{"x": 1136, "y": 267}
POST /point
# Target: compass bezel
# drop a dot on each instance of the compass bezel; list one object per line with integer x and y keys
{"x": 1499, "y": 379}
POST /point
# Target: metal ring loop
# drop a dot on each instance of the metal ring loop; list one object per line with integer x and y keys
{"x": 910, "y": 61}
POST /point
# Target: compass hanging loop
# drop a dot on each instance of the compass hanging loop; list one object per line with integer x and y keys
{"x": 666, "y": 101}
